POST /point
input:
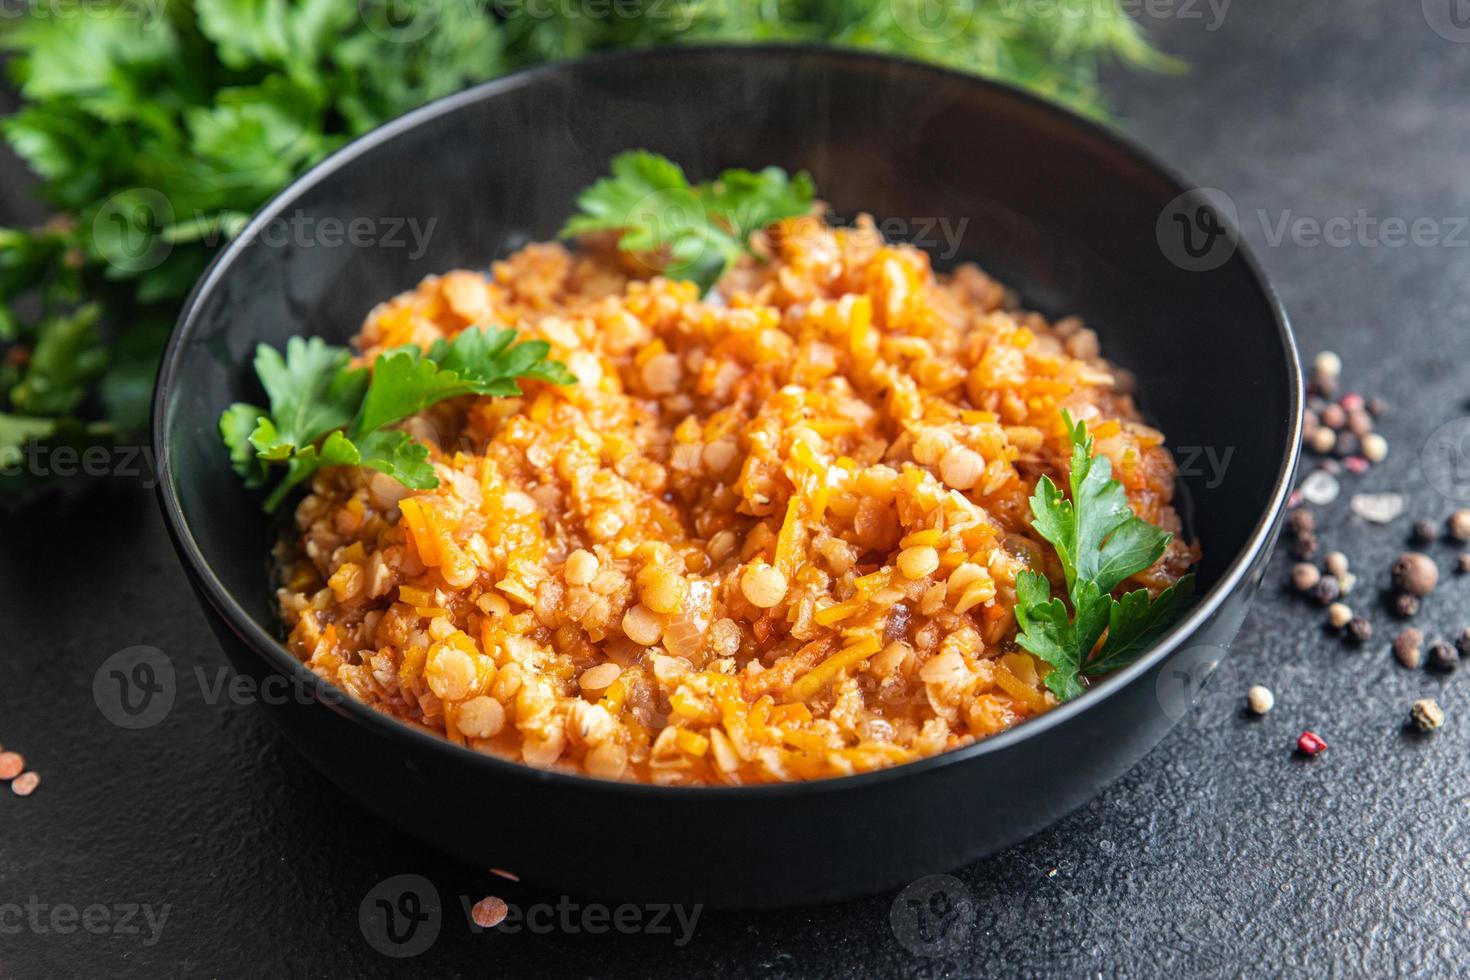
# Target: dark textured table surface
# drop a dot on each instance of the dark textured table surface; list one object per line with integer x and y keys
{"x": 204, "y": 846}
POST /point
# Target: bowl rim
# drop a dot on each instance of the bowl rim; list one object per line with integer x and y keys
{"x": 275, "y": 654}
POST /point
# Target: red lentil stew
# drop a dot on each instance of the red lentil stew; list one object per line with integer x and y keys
{"x": 772, "y": 532}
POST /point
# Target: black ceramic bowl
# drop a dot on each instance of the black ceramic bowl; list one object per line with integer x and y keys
{"x": 1067, "y": 212}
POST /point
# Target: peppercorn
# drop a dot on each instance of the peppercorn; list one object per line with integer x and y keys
{"x": 1310, "y": 423}
{"x": 1346, "y": 581}
{"x": 1359, "y": 630}
{"x": 1336, "y": 564}
{"x": 1425, "y": 532}
{"x": 1406, "y": 605}
{"x": 1304, "y": 576}
{"x": 1323, "y": 386}
{"x": 1442, "y": 656}
{"x": 1352, "y": 402}
{"x": 1347, "y": 445}
{"x": 1464, "y": 562}
{"x": 1407, "y": 647}
{"x": 1304, "y": 546}
{"x": 1261, "y": 699}
{"x": 1339, "y": 615}
{"x": 1326, "y": 591}
{"x": 1310, "y": 743}
{"x": 1360, "y": 423}
{"x": 1462, "y": 642}
{"x": 1322, "y": 441}
{"x": 1427, "y": 715}
{"x": 1327, "y": 365}
{"x": 1415, "y": 573}
{"x": 1375, "y": 447}
{"x": 1376, "y": 406}
{"x": 1334, "y": 417}
{"x": 1459, "y": 524}
{"x": 1301, "y": 521}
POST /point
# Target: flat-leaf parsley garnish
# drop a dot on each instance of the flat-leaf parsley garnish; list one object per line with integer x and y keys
{"x": 1100, "y": 543}
{"x": 325, "y": 412}
{"x": 698, "y": 230}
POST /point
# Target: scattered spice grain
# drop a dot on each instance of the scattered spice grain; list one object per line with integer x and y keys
{"x": 1425, "y": 531}
{"x": 1305, "y": 576}
{"x": 12, "y": 764}
{"x": 1359, "y": 630}
{"x": 1459, "y": 525}
{"x": 1336, "y": 564}
{"x": 1415, "y": 573}
{"x": 1408, "y": 647}
{"x": 1339, "y": 614}
{"x": 1427, "y": 715}
{"x": 1406, "y": 605}
{"x": 1442, "y": 656}
{"x": 1310, "y": 743}
{"x": 1260, "y": 699}
{"x": 1327, "y": 591}
{"x": 25, "y": 784}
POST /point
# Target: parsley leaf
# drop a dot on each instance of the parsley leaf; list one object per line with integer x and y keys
{"x": 324, "y": 412}
{"x": 697, "y": 231}
{"x": 1100, "y": 543}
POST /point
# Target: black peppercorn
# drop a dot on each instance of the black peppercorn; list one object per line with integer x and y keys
{"x": 1425, "y": 532}
{"x": 1327, "y": 591}
{"x": 1301, "y": 521}
{"x": 1304, "y": 546}
{"x": 1406, "y": 604}
{"x": 1359, "y": 630}
{"x": 1348, "y": 444}
{"x": 1442, "y": 656}
{"x": 1376, "y": 406}
{"x": 1462, "y": 642}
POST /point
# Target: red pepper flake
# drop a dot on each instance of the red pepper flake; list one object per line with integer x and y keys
{"x": 1310, "y": 743}
{"x": 1357, "y": 464}
{"x": 1352, "y": 402}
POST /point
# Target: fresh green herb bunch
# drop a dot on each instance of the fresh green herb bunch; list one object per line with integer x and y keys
{"x": 324, "y": 412}
{"x": 1100, "y": 543}
{"x": 157, "y": 126}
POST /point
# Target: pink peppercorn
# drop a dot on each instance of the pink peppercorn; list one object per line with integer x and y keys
{"x": 1357, "y": 464}
{"x": 1310, "y": 743}
{"x": 1352, "y": 402}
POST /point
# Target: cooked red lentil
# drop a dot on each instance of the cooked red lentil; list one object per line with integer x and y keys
{"x": 769, "y": 535}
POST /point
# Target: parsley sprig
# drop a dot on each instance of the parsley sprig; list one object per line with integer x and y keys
{"x": 1100, "y": 543}
{"x": 697, "y": 231}
{"x": 324, "y": 412}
